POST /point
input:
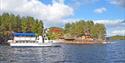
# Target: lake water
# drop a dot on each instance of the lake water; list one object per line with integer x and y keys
{"x": 94, "y": 53}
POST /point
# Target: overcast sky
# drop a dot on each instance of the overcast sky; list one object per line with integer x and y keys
{"x": 58, "y": 12}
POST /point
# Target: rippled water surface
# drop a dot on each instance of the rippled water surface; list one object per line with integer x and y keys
{"x": 96, "y": 53}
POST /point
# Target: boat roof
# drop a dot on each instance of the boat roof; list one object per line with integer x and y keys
{"x": 24, "y": 34}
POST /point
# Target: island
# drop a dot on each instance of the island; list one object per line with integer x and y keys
{"x": 79, "y": 32}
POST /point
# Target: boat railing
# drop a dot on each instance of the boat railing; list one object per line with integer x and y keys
{"x": 25, "y": 38}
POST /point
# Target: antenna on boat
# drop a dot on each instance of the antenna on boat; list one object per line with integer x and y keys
{"x": 44, "y": 34}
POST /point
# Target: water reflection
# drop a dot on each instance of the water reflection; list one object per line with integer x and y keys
{"x": 96, "y": 53}
{"x": 86, "y": 53}
{"x": 31, "y": 55}
{"x": 116, "y": 52}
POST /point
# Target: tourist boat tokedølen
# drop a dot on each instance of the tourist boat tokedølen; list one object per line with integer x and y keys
{"x": 30, "y": 39}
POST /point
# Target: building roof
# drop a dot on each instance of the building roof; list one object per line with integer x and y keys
{"x": 24, "y": 34}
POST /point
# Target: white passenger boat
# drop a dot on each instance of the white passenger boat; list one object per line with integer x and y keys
{"x": 29, "y": 39}
{"x": 106, "y": 42}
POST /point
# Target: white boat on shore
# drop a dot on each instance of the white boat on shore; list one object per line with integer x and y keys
{"x": 106, "y": 42}
{"x": 30, "y": 39}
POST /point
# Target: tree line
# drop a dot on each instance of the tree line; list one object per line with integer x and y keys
{"x": 77, "y": 29}
{"x": 12, "y": 23}
{"x": 118, "y": 37}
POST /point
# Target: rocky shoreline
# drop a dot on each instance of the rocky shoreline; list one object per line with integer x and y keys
{"x": 80, "y": 41}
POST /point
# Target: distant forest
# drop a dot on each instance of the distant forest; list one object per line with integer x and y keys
{"x": 14, "y": 23}
{"x": 118, "y": 37}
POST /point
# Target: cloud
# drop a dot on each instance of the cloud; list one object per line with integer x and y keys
{"x": 110, "y": 22}
{"x": 118, "y": 2}
{"x": 100, "y": 10}
{"x": 62, "y": 22}
{"x": 118, "y": 32}
{"x": 114, "y": 27}
{"x": 36, "y": 8}
{"x": 77, "y": 3}
{"x": 118, "y": 24}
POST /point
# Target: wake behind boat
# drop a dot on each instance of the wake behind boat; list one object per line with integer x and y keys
{"x": 30, "y": 39}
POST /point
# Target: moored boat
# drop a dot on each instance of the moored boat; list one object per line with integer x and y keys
{"x": 29, "y": 39}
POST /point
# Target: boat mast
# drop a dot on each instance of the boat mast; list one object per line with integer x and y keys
{"x": 43, "y": 35}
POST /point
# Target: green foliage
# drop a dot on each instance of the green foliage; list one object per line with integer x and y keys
{"x": 78, "y": 28}
{"x": 118, "y": 37}
{"x": 55, "y": 33}
{"x": 12, "y": 23}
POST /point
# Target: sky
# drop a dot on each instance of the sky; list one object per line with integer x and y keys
{"x": 58, "y": 12}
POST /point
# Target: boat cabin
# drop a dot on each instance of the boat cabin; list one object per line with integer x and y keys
{"x": 24, "y": 37}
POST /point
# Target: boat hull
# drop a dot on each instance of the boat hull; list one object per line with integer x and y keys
{"x": 32, "y": 44}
